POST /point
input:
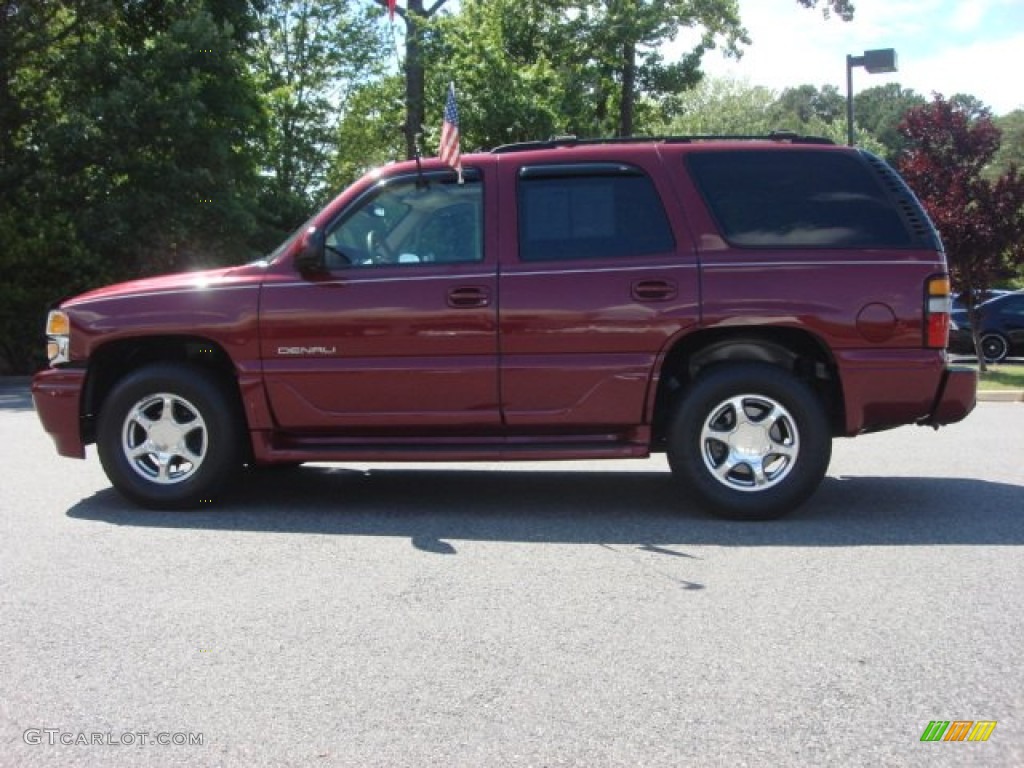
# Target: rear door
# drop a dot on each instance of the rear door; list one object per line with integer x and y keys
{"x": 597, "y": 276}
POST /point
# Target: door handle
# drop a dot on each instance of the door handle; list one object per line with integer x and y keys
{"x": 469, "y": 296}
{"x": 653, "y": 290}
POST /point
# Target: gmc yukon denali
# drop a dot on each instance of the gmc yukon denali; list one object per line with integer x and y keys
{"x": 733, "y": 303}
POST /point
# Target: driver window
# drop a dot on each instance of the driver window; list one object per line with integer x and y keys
{"x": 404, "y": 223}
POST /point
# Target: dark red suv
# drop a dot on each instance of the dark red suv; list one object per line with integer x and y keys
{"x": 733, "y": 303}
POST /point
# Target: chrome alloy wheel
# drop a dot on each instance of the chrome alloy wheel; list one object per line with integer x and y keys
{"x": 164, "y": 438}
{"x": 749, "y": 442}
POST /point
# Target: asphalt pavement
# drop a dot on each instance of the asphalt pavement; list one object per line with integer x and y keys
{"x": 557, "y": 614}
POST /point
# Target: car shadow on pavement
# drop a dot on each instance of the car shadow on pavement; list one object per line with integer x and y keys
{"x": 433, "y": 508}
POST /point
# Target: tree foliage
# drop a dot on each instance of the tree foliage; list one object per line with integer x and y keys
{"x": 309, "y": 58}
{"x": 127, "y": 133}
{"x": 723, "y": 107}
{"x": 879, "y": 111}
{"x": 143, "y": 136}
{"x": 981, "y": 219}
{"x": 805, "y": 104}
{"x": 623, "y": 43}
{"x": 1011, "y": 149}
{"x": 842, "y": 8}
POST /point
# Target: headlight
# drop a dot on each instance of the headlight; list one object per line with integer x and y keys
{"x": 58, "y": 337}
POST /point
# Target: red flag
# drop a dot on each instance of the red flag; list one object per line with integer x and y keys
{"x": 449, "y": 151}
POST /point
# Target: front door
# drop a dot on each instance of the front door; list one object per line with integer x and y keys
{"x": 399, "y": 335}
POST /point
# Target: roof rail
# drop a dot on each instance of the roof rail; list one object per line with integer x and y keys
{"x": 572, "y": 141}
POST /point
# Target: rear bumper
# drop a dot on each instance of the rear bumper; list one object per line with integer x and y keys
{"x": 57, "y": 394}
{"x": 889, "y": 388}
{"x": 957, "y": 396}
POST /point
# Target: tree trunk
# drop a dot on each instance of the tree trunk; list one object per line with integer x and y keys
{"x": 628, "y": 89}
{"x": 973, "y": 318}
{"x": 415, "y": 116}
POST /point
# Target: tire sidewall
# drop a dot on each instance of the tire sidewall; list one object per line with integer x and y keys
{"x": 1002, "y": 341}
{"x": 705, "y": 394}
{"x": 200, "y": 389}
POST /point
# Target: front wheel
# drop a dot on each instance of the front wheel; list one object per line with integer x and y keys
{"x": 168, "y": 437}
{"x": 750, "y": 441}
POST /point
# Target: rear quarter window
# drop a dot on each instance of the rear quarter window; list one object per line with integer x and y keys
{"x": 797, "y": 199}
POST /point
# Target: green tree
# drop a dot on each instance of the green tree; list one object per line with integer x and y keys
{"x": 1011, "y": 149}
{"x": 880, "y": 110}
{"x": 129, "y": 151}
{"x": 627, "y": 37}
{"x": 804, "y": 104}
{"x": 719, "y": 106}
{"x": 310, "y": 55}
{"x": 371, "y": 130}
{"x": 842, "y": 8}
{"x": 508, "y": 87}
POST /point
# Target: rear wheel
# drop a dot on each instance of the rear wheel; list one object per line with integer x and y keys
{"x": 169, "y": 437}
{"x": 994, "y": 347}
{"x": 750, "y": 441}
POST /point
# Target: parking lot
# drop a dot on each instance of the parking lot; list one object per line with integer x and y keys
{"x": 563, "y": 614}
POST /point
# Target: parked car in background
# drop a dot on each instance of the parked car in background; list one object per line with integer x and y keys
{"x": 1002, "y": 328}
{"x": 980, "y": 298}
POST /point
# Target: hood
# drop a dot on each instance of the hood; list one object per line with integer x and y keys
{"x": 204, "y": 280}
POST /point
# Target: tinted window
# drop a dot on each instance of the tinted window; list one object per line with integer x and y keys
{"x": 797, "y": 199}
{"x": 590, "y": 214}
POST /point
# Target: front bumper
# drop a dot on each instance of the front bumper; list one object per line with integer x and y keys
{"x": 57, "y": 394}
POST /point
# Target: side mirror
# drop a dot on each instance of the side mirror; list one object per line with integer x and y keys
{"x": 310, "y": 257}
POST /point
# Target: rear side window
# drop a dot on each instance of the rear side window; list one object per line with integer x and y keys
{"x": 794, "y": 199}
{"x": 593, "y": 211}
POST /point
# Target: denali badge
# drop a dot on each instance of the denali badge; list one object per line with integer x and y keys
{"x": 306, "y": 350}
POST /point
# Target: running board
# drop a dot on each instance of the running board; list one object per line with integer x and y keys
{"x": 269, "y": 449}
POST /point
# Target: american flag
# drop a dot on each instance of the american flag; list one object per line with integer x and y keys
{"x": 449, "y": 151}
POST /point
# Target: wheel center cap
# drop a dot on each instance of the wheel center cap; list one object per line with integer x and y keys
{"x": 750, "y": 440}
{"x": 164, "y": 436}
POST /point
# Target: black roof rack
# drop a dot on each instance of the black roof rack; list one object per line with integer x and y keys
{"x": 572, "y": 141}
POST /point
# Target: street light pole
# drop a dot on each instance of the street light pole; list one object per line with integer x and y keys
{"x": 876, "y": 61}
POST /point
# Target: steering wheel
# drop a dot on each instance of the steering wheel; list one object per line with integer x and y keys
{"x": 380, "y": 252}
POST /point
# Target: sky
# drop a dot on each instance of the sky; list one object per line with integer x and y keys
{"x": 944, "y": 46}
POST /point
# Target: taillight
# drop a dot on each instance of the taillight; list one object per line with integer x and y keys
{"x": 936, "y": 314}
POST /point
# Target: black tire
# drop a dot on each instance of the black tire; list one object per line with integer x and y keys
{"x": 994, "y": 347}
{"x": 783, "y": 429}
{"x": 169, "y": 437}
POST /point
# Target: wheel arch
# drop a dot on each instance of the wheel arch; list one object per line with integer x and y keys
{"x": 113, "y": 361}
{"x": 794, "y": 350}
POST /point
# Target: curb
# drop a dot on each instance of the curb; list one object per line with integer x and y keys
{"x": 1001, "y": 395}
